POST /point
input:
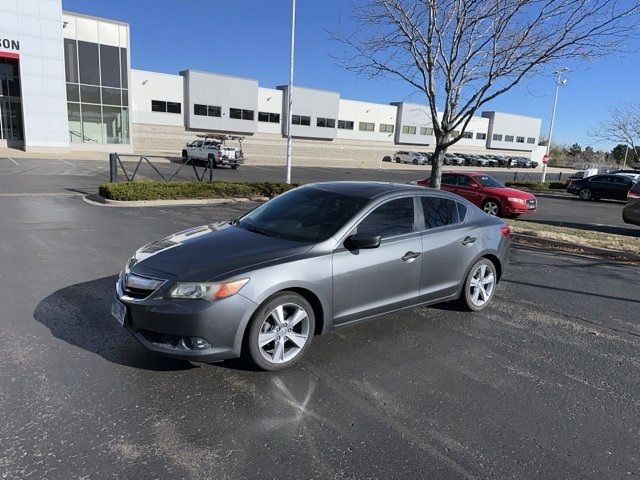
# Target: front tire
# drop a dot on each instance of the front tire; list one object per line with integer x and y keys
{"x": 491, "y": 207}
{"x": 234, "y": 167}
{"x": 397, "y": 159}
{"x": 479, "y": 286}
{"x": 585, "y": 194}
{"x": 280, "y": 332}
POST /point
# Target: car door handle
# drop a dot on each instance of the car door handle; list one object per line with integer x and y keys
{"x": 410, "y": 256}
{"x": 469, "y": 240}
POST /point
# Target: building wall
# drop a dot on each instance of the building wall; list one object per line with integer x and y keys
{"x": 36, "y": 25}
{"x": 515, "y": 125}
{"x": 270, "y": 101}
{"x": 314, "y": 104}
{"x": 413, "y": 116}
{"x": 221, "y": 91}
{"x": 148, "y": 86}
{"x": 357, "y": 112}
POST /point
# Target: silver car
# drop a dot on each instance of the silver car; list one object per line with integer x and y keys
{"x": 316, "y": 258}
{"x": 415, "y": 158}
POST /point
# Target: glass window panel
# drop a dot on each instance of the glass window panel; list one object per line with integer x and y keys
{"x": 111, "y": 96}
{"x": 174, "y": 107}
{"x": 110, "y": 66}
{"x": 295, "y": 119}
{"x": 305, "y": 121}
{"x": 199, "y": 109}
{"x": 75, "y": 125}
{"x": 13, "y": 86}
{"x": 71, "y": 60}
{"x": 9, "y": 66}
{"x": 158, "y": 106}
{"x": 439, "y": 212}
{"x": 125, "y": 97}
{"x": 263, "y": 117}
{"x": 274, "y": 117}
{"x": 124, "y": 72}
{"x": 389, "y": 219}
{"x": 247, "y": 114}
{"x": 92, "y": 126}
{"x": 214, "y": 111}
{"x": 235, "y": 113}
{"x": 89, "y": 66}
{"x": 4, "y": 86}
{"x": 113, "y": 124}
{"x": 73, "y": 93}
{"x": 15, "y": 121}
{"x": 89, "y": 94}
{"x": 125, "y": 126}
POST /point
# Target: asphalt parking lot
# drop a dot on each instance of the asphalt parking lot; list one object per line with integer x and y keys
{"x": 543, "y": 384}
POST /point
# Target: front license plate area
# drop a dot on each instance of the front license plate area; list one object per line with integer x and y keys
{"x": 118, "y": 311}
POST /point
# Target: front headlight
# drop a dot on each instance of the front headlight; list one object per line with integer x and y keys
{"x": 516, "y": 200}
{"x": 207, "y": 291}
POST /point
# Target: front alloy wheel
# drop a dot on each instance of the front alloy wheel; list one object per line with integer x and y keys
{"x": 281, "y": 331}
{"x": 492, "y": 208}
{"x": 585, "y": 194}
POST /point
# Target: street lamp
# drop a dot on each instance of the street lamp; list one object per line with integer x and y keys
{"x": 559, "y": 82}
{"x": 289, "y": 98}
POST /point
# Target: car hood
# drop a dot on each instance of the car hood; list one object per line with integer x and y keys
{"x": 510, "y": 192}
{"x": 212, "y": 251}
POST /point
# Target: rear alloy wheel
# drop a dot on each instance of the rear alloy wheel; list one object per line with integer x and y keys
{"x": 281, "y": 331}
{"x": 479, "y": 286}
{"x": 415, "y": 161}
{"x": 585, "y": 194}
{"x": 397, "y": 159}
{"x": 491, "y": 207}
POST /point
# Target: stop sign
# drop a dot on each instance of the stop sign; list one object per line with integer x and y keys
{"x": 545, "y": 159}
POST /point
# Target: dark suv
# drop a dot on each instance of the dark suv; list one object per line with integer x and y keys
{"x": 601, "y": 186}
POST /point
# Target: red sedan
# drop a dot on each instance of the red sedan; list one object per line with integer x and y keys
{"x": 487, "y": 193}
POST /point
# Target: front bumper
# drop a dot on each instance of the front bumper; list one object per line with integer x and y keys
{"x": 170, "y": 326}
{"x": 531, "y": 206}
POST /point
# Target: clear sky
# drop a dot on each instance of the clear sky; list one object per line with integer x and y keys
{"x": 251, "y": 38}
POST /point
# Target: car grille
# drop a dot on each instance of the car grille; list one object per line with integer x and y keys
{"x": 140, "y": 287}
{"x": 531, "y": 204}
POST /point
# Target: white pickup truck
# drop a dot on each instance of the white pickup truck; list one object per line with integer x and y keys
{"x": 215, "y": 149}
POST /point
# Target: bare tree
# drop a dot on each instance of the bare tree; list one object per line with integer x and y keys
{"x": 622, "y": 126}
{"x": 464, "y": 53}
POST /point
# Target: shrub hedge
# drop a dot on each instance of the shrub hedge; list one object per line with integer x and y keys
{"x": 161, "y": 190}
{"x": 537, "y": 185}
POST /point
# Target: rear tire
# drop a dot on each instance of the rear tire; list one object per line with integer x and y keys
{"x": 479, "y": 286}
{"x": 185, "y": 156}
{"x": 415, "y": 162}
{"x": 284, "y": 324}
{"x": 234, "y": 167}
{"x": 397, "y": 159}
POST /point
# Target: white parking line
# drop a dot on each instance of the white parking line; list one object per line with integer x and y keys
{"x": 16, "y": 163}
{"x": 68, "y": 163}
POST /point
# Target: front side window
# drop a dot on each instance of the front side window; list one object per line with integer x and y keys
{"x": 487, "y": 181}
{"x": 439, "y": 212}
{"x": 464, "y": 181}
{"x": 448, "y": 179}
{"x": 303, "y": 215}
{"x": 389, "y": 219}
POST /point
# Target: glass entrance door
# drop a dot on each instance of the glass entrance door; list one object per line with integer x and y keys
{"x": 11, "y": 125}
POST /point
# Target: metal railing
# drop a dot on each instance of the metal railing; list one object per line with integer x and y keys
{"x": 116, "y": 164}
{"x": 535, "y": 177}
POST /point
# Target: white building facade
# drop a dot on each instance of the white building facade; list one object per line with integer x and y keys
{"x": 66, "y": 83}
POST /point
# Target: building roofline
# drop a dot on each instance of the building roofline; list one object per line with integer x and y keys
{"x": 282, "y": 87}
{"x": 93, "y": 17}
{"x": 216, "y": 74}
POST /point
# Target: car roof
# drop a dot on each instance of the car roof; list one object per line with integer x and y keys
{"x": 371, "y": 190}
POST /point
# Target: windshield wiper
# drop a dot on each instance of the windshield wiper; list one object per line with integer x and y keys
{"x": 254, "y": 229}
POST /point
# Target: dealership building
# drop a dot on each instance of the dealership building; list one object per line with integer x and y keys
{"x": 66, "y": 83}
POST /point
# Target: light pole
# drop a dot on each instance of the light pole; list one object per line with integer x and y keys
{"x": 624, "y": 163}
{"x": 559, "y": 82}
{"x": 290, "y": 87}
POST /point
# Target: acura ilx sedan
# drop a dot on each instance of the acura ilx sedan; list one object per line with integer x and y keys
{"x": 316, "y": 258}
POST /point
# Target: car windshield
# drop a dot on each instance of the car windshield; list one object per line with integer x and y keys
{"x": 303, "y": 215}
{"x": 487, "y": 181}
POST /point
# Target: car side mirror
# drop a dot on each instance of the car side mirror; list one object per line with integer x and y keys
{"x": 474, "y": 185}
{"x": 363, "y": 240}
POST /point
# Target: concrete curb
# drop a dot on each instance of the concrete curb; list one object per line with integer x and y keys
{"x": 100, "y": 201}
{"x": 558, "y": 245}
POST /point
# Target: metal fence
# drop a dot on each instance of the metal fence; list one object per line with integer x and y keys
{"x": 117, "y": 164}
{"x": 535, "y": 177}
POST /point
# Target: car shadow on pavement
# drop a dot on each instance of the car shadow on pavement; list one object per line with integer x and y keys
{"x": 80, "y": 315}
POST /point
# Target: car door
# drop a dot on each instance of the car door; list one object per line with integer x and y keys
{"x": 371, "y": 281}
{"x": 600, "y": 186}
{"x": 449, "y": 182}
{"x": 621, "y": 186}
{"x": 468, "y": 188}
{"x": 448, "y": 246}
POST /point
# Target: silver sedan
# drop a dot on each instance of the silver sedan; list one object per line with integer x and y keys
{"x": 317, "y": 258}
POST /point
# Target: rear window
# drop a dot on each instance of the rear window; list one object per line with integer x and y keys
{"x": 636, "y": 188}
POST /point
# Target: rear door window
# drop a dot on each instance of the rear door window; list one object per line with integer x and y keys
{"x": 440, "y": 212}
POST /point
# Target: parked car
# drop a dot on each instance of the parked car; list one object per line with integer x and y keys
{"x": 428, "y": 156}
{"x": 487, "y": 193}
{"x": 410, "y": 157}
{"x": 215, "y": 149}
{"x": 452, "y": 159}
{"x": 480, "y": 161}
{"x": 314, "y": 258}
{"x": 631, "y": 213}
{"x": 580, "y": 174}
{"x": 614, "y": 187}
{"x": 633, "y": 176}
